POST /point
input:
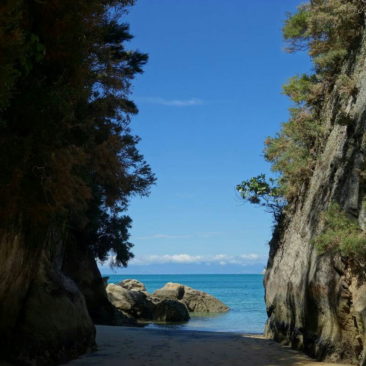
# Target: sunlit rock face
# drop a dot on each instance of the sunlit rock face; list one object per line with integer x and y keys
{"x": 135, "y": 302}
{"x": 171, "y": 303}
{"x": 195, "y": 300}
{"x": 317, "y": 303}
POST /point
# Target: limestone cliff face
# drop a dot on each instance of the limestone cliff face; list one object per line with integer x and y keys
{"x": 317, "y": 303}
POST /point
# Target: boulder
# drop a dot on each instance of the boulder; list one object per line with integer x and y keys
{"x": 171, "y": 303}
{"x": 79, "y": 264}
{"x": 201, "y": 302}
{"x": 139, "y": 305}
{"x": 131, "y": 302}
{"x": 133, "y": 285}
{"x": 44, "y": 319}
{"x": 170, "y": 311}
{"x": 195, "y": 300}
{"x": 171, "y": 291}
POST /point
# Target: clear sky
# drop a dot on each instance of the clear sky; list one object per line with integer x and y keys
{"x": 210, "y": 95}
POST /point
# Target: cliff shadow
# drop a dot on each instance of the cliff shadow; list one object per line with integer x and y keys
{"x": 156, "y": 347}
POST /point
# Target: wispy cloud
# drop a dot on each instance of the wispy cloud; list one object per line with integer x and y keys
{"x": 172, "y": 102}
{"x": 203, "y": 235}
{"x": 163, "y": 236}
{"x": 209, "y": 234}
{"x": 221, "y": 259}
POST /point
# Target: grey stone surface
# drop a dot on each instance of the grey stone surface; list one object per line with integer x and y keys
{"x": 142, "y": 306}
{"x": 195, "y": 300}
{"x": 132, "y": 284}
{"x": 134, "y": 303}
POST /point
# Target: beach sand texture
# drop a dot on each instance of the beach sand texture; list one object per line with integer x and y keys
{"x": 124, "y": 346}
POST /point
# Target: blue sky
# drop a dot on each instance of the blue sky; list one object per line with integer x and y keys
{"x": 209, "y": 96}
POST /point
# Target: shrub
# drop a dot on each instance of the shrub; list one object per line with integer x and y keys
{"x": 293, "y": 151}
{"x": 259, "y": 191}
{"x": 341, "y": 232}
{"x": 346, "y": 86}
{"x": 296, "y": 29}
{"x": 328, "y": 29}
{"x": 299, "y": 88}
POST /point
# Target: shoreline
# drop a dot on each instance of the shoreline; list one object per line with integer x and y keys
{"x": 132, "y": 346}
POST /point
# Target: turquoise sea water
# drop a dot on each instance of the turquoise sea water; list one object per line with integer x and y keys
{"x": 244, "y": 294}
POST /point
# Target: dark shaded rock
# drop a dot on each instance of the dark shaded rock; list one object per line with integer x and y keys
{"x": 195, "y": 300}
{"x": 80, "y": 265}
{"x": 170, "y": 311}
{"x": 43, "y": 316}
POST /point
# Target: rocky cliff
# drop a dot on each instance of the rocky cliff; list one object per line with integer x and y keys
{"x": 317, "y": 302}
{"x": 51, "y": 295}
{"x": 44, "y": 319}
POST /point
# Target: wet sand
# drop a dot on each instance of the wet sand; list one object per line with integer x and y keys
{"x": 124, "y": 346}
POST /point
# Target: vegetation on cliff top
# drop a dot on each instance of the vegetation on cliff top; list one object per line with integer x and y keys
{"x": 330, "y": 31}
{"x": 68, "y": 159}
{"x": 340, "y": 232}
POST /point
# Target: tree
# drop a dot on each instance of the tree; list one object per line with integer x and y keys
{"x": 341, "y": 232}
{"x": 330, "y": 31}
{"x": 259, "y": 191}
{"x": 67, "y": 155}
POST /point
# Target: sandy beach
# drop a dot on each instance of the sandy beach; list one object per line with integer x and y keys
{"x": 126, "y": 346}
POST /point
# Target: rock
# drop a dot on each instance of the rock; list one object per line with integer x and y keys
{"x": 170, "y": 311}
{"x": 195, "y": 300}
{"x": 79, "y": 264}
{"x": 201, "y": 302}
{"x": 43, "y": 316}
{"x": 134, "y": 285}
{"x": 171, "y": 290}
{"x": 134, "y": 303}
{"x": 140, "y": 305}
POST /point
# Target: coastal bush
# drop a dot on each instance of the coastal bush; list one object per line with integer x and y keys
{"x": 301, "y": 89}
{"x": 341, "y": 232}
{"x": 329, "y": 31}
{"x": 260, "y": 191}
{"x": 293, "y": 151}
{"x": 68, "y": 159}
{"x": 346, "y": 86}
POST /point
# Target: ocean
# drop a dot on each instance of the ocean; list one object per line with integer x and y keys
{"x": 244, "y": 294}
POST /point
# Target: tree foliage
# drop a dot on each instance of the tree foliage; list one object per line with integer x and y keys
{"x": 260, "y": 191}
{"x": 341, "y": 232}
{"x": 67, "y": 153}
{"x": 330, "y": 31}
{"x": 293, "y": 152}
